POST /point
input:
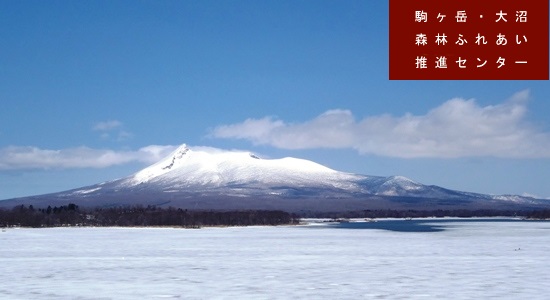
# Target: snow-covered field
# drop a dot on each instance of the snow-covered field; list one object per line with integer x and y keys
{"x": 468, "y": 260}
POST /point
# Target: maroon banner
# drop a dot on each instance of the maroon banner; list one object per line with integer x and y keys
{"x": 468, "y": 39}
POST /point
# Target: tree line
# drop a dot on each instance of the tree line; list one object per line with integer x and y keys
{"x": 72, "y": 215}
{"x": 439, "y": 213}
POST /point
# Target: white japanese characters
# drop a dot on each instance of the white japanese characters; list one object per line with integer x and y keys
{"x": 441, "y": 39}
{"x": 462, "y": 17}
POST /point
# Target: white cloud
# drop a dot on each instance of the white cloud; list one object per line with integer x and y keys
{"x": 107, "y": 125}
{"x": 457, "y": 128}
{"x": 112, "y": 130}
{"x": 14, "y": 158}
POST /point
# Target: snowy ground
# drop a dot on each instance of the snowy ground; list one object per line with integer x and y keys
{"x": 468, "y": 260}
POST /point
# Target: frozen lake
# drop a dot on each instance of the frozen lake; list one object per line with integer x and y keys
{"x": 458, "y": 260}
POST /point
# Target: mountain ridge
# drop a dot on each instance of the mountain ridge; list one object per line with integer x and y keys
{"x": 209, "y": 178}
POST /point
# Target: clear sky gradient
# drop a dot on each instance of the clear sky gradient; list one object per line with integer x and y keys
{"x": 95, "y": 90}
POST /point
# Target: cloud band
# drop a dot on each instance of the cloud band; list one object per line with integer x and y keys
{"x": 457, "y": 128}
{"x": 18, "y": 158}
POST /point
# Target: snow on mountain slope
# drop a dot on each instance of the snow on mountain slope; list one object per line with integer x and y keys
{"x": 208, "y": 178}
{"x": 396, "y": 185}
{"x": 202, "y": 169}
{"x": 188, "y": 167}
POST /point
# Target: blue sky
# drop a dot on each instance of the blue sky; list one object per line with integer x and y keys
{"x": 95, "y": 90}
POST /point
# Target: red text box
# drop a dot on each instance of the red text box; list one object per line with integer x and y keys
{"x": 468, "y": 39}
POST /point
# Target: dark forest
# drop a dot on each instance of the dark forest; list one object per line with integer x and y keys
{"x": 72, "y": 215}
{"x": 138, "y": 216}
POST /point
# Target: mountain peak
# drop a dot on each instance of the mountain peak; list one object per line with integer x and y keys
{"x": 402, "y": 179}
{"x": 163, "y": 166}
{"x": 180, "y": 152}
{"x": 253, "y": 155}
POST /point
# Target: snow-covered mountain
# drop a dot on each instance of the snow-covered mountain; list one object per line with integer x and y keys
{"x": 207, "y": 178}
{"x": 208, "y": 169}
